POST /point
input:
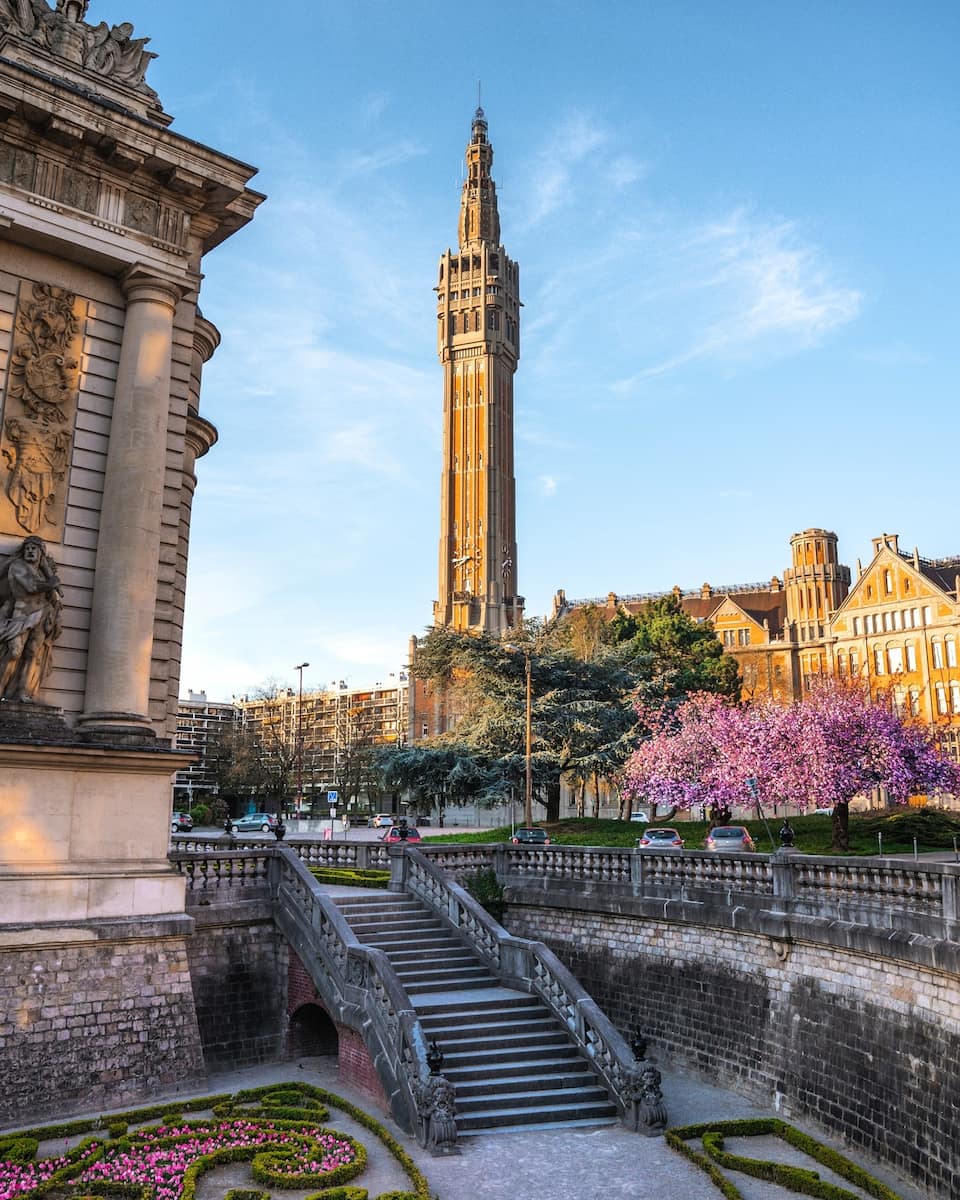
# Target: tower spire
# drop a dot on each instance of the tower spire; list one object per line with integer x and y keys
{"x": 479, "y": 218}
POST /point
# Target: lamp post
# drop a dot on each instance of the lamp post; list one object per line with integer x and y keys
{"x": 528, "y": 764}
{"x": 299, "y": 667}
{"x": 528, "y": 774}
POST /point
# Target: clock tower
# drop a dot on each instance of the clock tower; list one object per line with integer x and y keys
{"x": 478, "y": 340}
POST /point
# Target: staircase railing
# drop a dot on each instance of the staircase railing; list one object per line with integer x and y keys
{"x": 357, "y": 983}
{"x": 526, "y": 965}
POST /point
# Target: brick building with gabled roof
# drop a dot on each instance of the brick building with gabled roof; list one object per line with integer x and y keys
{"x": 896, "y": 627}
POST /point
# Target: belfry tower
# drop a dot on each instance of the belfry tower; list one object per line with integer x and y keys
{"x": 478, "y": 340}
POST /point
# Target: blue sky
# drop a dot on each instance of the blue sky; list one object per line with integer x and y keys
{"x": 736, "y": 225}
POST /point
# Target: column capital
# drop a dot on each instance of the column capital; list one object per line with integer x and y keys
{"x": 141, "y": 283}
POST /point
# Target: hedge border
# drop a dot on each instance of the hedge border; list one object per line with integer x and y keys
{"x": 796, "y": 1179}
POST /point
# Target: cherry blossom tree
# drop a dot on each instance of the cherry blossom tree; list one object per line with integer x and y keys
{"x": 821, "y": 752}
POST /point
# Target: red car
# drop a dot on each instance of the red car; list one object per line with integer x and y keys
{"x": 402, "y": 833}
{"x": 660, "y": 839}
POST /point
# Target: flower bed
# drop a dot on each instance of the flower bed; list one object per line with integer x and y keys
{"x": 278, "y": 1130}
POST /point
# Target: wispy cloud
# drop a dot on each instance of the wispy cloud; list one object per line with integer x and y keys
{"x": 548, "y": 485}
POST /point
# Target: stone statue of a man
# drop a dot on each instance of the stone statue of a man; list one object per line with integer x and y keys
{"x": 30, "y": 603}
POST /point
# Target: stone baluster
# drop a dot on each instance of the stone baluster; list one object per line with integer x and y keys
{"x": 125, "y": 584}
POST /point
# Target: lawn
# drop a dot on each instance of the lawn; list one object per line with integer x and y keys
{"x": 933, "y": 828}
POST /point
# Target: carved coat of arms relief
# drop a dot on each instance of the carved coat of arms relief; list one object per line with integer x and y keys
{"x": 39, "y": 410}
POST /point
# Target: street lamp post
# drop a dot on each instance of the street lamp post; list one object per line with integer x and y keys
{"x": 300, "y": 667}
{"x": 528, "y": 774}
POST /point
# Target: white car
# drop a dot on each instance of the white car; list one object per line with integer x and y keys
{"x": 382, "y": 821}
{"x": 639, "y": 816}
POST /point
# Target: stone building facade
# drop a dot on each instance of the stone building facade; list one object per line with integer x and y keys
{"x": 105, "y": 218}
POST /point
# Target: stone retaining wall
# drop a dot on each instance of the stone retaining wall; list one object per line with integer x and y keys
{"x": 95, "y": 1017}
{"x": 238, "y": 965}
{"x": 863, "y": 1043}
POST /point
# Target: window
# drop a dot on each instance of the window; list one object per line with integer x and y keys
{"x": 907, "y": 619}
{"x": 955, "y": 697}
{"x": 878, "y": 662}
{"x": 854, "y": 662}
{"x": 729, "y": 637}
{"x": 888, "y": 582}
{"x": 927, "y": 615}
{"x": 897, "y": 621}
{"x": 856, "y": 626}
{"x": 941, "y": 700}
{"x": 937, "y": 651}
{"x": 888, "y": 621}
{"x": 911, "y": 657}
{"x": 841, "y": 664}
{"x": 951, "y": 652}
{"x": 895, "y": 658}
{"x": 914, "y": 702}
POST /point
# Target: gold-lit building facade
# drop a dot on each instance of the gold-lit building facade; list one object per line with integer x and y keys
{"x": 895, "y": 626}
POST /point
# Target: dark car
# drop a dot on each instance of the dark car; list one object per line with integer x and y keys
{"x": 254, "y": 822}
{"x": 530, "y": 837}
{"x": 660, "y": 839}
{"x": 730, "y": 837}
{"x": 181, "y": 822}
{"x": 401, "y": 833}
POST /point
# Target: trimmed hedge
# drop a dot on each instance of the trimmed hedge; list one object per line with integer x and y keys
{"x": 796, "y": 1179}
{"x": 363, "y": 877}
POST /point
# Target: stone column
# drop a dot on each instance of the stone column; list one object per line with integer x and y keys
{"x": 125, "y": 581}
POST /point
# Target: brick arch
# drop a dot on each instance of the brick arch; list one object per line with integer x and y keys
{"x": 311, "y": 1032}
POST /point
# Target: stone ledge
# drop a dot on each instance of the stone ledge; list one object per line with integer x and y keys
{"x": 121, "y": 929}
{"x": 755, "y": 915}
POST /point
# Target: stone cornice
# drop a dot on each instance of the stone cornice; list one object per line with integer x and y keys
{"x": 78, "y": 757}
{"x": 124, "y": 151}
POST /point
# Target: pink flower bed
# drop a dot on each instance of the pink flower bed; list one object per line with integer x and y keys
{"x": 159, "y": 1157}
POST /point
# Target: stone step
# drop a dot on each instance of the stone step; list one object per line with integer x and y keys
{"x": 537, "y": 1098}
{"x": 528, "y": 1083}
{"x": 571, "y": 1112}
{"x": 536, "y": 1064}
{"x": 471, "y": 1004}
{"x": 416, "y": 990}
{"x": 432, "y": 954}
{"x": 533, "y": 1126}
{"x": 526, "y": 1021}
{"x": 409, "y": 927}
{"x": 453, "y": 1019}
{"x": 457, "y": 1049}
{"x": 452, "y": 977}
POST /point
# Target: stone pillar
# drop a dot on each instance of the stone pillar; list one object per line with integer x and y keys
{"x": 125, "y": 588}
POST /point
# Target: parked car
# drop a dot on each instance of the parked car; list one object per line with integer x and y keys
{"x": 380, "y": 821}
{"x": 640, "y": 817}
{"x": 660, "y": 839}
{"x": 730, "y": 837}
{"x": 264, "y": 822}
{"x": 181, "y": 822}
{"x": 401, "y": 833}
{"x": 530, "y": 837}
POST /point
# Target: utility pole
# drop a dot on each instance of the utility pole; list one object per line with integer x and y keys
{"x": 299, "y": 667}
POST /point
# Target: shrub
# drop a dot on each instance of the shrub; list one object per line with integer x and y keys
{"x": 484, "y": 886}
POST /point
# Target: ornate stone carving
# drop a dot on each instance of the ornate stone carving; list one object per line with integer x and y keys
{"x": 642, "y": 1094}
{"x": 30, "y": 602}
{"x": 40, "y": 409}
{"x": 436, "y": 1103}
{"x": 107, "y": 50}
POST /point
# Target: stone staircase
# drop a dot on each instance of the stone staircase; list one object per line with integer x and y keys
{"x": 511, "y": 1061}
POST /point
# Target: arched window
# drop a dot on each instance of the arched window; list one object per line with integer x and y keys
{"x": 951, "y": 646}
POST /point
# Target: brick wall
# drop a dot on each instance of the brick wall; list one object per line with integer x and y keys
{"x": 357, "y": 1070}
{"x": 864, "y": 1045}
{"x": 100, "y": 1024}
{"x": 238, "y": 964}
